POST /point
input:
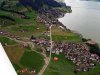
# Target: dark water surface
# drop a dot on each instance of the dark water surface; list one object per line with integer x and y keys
{"x": 85, "y": 18}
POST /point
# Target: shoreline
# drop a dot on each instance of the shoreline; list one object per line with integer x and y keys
{"x": 55, "y": 20}
{"x": 74, "y": 31}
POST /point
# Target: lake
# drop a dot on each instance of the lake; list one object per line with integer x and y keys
{"x": 85, "y": 18}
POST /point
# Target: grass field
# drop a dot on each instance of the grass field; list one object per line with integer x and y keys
{"x": 28, "y": 25}
{"x": 32, "y": 60}
{"x": 6, "y": 40}
{"x": 14, "y": 53}
{"x": 29, "y": 30}
{"x": 59, "y": 35}
{"x": 32, "y": 17}
{"x": 69, "y": 38}
{"x": 60, "y": 67}
{"x": 4, "y": 22}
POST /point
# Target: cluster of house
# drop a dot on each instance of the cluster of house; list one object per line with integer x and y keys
{"x": 42, "y": 18}
{"x": 47, "y": 16}
{"x": 78, "y": 53}
{"x": 40, "y": 41}
{"x": 53, "y": 12}
{"x": 4, "y": 33}
{"x": 47, "y": 33}
{"x": 27, "y": 71}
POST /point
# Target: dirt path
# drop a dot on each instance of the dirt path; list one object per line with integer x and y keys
{"x": 47, "y": 59}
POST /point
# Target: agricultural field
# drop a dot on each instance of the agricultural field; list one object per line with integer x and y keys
{"x": 14, "y": 53}
{"x": 24, "y": 58}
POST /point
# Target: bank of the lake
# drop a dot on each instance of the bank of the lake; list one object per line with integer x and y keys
{"x": 84, "y": 18}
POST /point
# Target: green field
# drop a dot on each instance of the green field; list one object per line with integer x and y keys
{"x": 74, "y": 38}
{"x": 32, "y": 60}
{"x": 29, "y": 30}
{"x": 5, "y": 40}
{"x": 60, "y": 67}
{"x": 28, "y": 25}
{"x": 61, "y": 35}
{"x": 32, "y": 16}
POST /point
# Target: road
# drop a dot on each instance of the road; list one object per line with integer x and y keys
{"x": 47, "y": 60}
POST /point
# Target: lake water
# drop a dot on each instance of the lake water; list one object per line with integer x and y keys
{"x": 85, "y": 18}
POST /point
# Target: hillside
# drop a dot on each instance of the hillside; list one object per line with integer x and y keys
{"x": 19, "y": 21}
{"x": 38, "y": 4}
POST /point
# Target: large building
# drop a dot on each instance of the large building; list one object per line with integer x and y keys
{"x": 6, "y": 67}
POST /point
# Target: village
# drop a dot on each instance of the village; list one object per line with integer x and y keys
{"x": 76, "y": 52}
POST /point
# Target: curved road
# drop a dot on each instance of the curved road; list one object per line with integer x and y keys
{"x": 47, "y": 59}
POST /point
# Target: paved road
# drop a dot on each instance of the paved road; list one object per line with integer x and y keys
{"x": 47, "y": 60}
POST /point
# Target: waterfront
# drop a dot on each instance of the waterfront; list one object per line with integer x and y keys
{"x": 84, "y": 18}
